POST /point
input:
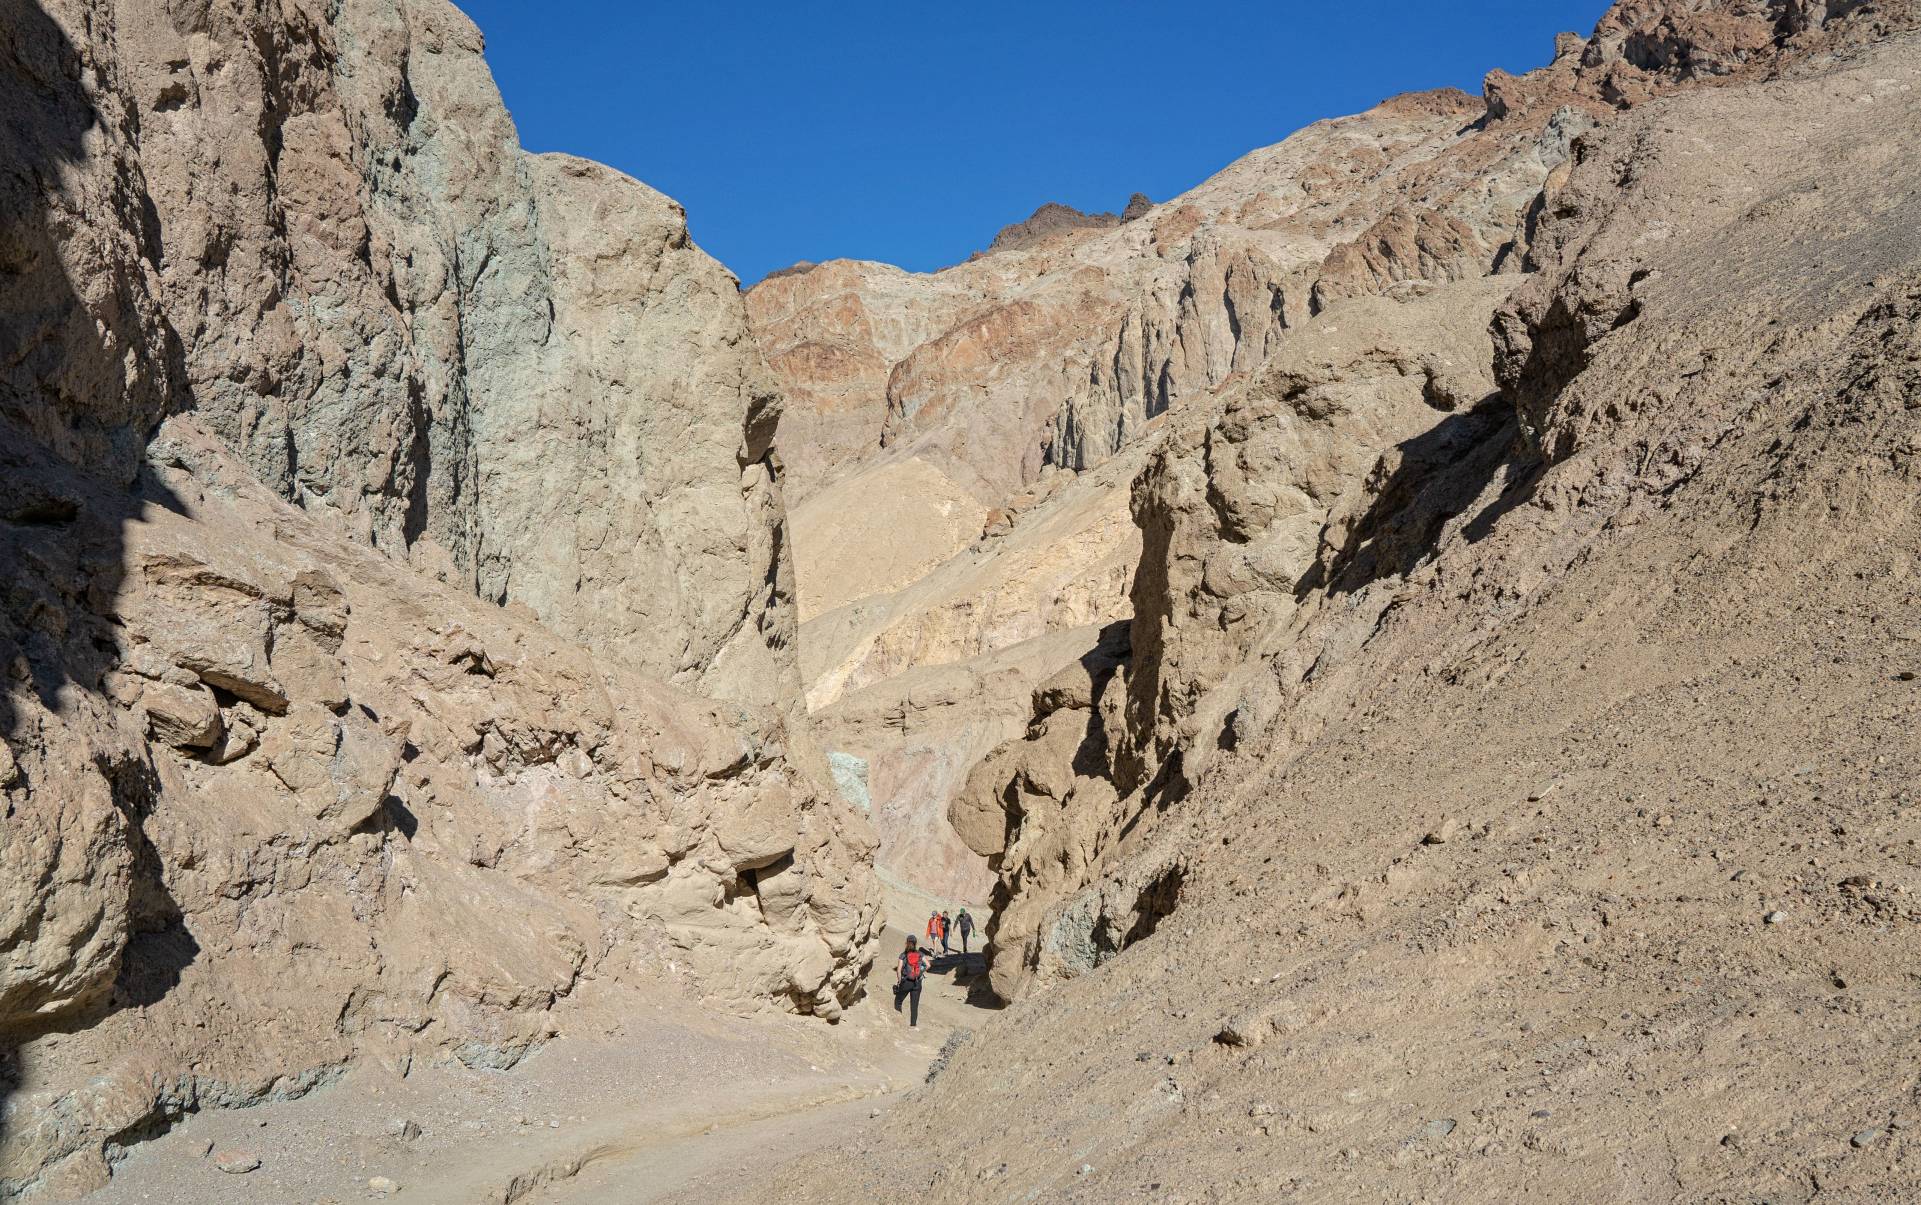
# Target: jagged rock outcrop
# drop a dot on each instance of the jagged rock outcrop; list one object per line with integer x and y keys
{"x": 1589, "y": 736}
{"x": 1646, "y": 48}
{"x": 320, "y": 808}
{"x": 290, "y": 327}
{"x": 1232, "y": 516}
{"x": 1049, "y": 221}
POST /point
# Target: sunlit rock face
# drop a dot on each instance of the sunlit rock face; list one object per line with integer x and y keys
{"x": 959, "y": 445}
{"x": 397, "y": 624}
{"x": 1590, "y": 682}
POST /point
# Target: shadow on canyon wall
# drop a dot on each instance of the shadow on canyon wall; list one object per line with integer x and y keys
{"x": 1440, "y": 474}
{"x": 87, "y": 369}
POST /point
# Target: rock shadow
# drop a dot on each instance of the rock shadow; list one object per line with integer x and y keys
{"x": 159, "y": 947}
{"x": 1441, "y": 473}
{"x": 968, "y": 970}
{"x": 87, "y": 369}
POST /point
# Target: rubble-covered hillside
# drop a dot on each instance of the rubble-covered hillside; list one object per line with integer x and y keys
{"x": 1535, "y": 821}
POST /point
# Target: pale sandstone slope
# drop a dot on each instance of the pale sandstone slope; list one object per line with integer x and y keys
{"x": 1550, "y": 837}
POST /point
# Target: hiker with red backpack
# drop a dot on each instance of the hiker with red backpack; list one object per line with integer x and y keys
{"x": 913, "y": 966}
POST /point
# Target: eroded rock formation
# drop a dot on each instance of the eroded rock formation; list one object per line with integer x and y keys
{"x": 321, "y": 808}
{"x": 1561, "y": 799}
{"x": 937, "y": 420}
{"x": 1233, "y": 512}
{"x": 396, "y": 623}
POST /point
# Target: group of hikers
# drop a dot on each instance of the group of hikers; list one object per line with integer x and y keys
{"x": 914, "y": 959}
{"x": 939, "y": 926}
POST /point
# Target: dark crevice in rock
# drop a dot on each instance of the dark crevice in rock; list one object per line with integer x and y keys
{"x": 159, "y": 946}
{"x": 1436, "y": 476}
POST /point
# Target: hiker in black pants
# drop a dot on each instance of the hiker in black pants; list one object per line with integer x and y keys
{"x": 965, "y": 923}
{"x": 913, "y": 965}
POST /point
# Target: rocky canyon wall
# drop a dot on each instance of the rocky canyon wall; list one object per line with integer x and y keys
{"x": 1543, "y": 830}
{"x": 1271, "y": 525}
{"x": 396, "y": 624}
{"x": 515, "y": 371}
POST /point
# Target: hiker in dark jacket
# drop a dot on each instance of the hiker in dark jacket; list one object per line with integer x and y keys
{"x": 946, "y": 926}
{"x": 965, "y": 923}
{"x": 913, "y": 966}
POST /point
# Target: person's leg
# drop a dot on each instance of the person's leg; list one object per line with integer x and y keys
{"x": 913, "y": 1014}
{"x": 898, "y": 988}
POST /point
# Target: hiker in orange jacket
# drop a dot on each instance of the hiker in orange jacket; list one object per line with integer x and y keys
{"x": 933, "y": 928}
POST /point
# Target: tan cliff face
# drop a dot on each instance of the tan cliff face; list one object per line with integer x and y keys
{"x": 1280, "y": 497}
{"x": 944, "y": 426}
{"x": 397, "y": 626}
{"x": 1556, "y": 796}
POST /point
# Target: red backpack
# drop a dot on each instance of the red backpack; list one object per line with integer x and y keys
{"x": 913, "y": 964}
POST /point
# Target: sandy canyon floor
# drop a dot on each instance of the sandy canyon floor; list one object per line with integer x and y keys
{"x": 684, "y": 1104}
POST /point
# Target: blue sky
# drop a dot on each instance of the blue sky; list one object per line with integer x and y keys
{"x": 909, "y": 131}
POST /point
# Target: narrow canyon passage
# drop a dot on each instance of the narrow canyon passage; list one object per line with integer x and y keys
{"x": 1410, "y": 644}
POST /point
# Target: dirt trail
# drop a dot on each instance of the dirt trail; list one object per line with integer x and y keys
{"x": 719, "y": 1152}
{"x": 680, "y": 1106}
